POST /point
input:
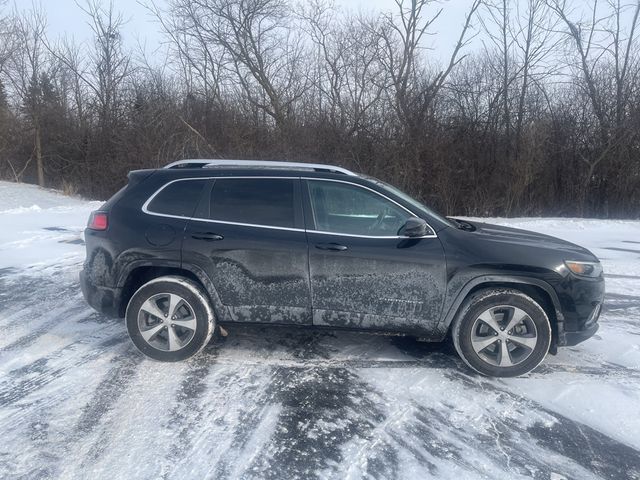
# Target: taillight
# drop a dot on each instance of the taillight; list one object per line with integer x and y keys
{"x": 98, "y": 221}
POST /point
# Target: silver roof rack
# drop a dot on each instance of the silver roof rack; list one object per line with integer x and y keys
{"x": 257, "y": 163}
{"x": 185, "y": 163}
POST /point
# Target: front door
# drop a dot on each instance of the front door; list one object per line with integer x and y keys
{"x": 363, "y": 275}
{"x": 250, "y": 236}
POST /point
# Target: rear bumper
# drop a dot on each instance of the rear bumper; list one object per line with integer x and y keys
{"x": 103, "y": 299}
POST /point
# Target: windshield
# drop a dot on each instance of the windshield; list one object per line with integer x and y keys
{"x": 412, "y": 201}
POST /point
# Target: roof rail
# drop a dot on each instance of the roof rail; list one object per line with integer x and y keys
{"x": 197, "y": 163}
{"x": 257, "y": 163}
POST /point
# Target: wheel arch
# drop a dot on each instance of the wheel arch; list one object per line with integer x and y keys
{"x": 139, "y": 273}
{"x": 539, "y": 290}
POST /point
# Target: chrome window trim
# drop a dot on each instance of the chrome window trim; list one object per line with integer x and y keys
{"x": 146, "y": 210}
{"x": 208, "y": 220}
{"x": 368, "y": 236}
{"x": 145, "y": 205}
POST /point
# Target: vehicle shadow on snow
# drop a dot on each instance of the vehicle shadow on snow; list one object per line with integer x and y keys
{"x": 328, "y": 347}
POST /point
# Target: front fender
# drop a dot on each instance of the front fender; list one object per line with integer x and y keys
{"x": 489, "y": 280}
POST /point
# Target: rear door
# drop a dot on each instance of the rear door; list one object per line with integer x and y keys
{"x": 249, "y": 237}
{"x": 363, "y": 275}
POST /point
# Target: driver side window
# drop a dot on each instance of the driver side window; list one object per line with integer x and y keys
{"x": 348, "y": 209}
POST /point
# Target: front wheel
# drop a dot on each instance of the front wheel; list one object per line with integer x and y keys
{"x": 170, "y": 319}
{"x": 502, "y": 333}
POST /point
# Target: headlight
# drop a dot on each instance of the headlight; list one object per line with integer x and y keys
{"x": 584, "y": 269}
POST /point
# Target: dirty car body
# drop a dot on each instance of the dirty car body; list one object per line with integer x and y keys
{"x": 317, "y": 247}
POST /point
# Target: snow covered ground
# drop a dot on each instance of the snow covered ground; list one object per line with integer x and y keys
{"x": 78, "y": 401}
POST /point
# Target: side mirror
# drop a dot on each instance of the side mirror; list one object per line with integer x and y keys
{"x": 414, "y": 227}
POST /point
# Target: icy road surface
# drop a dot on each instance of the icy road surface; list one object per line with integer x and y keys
{"x": 78, "y": 401}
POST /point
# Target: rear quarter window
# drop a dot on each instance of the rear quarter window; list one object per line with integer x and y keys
{"x": 179, "y": 198}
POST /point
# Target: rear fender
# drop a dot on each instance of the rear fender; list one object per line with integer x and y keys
{"x": 222, "y": 313}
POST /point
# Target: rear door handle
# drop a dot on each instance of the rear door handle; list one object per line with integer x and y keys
{"x": 336, "y": 247}
{"x": 208, "y": 236}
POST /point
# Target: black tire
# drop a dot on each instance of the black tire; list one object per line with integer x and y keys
{"x": 497, "y": 303}
{"x": 193, "y": 303}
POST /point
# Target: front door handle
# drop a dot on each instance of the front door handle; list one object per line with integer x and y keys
{"x": 336, "y": 247}
{"x": 208, "y": 236}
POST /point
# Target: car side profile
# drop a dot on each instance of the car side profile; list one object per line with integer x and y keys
{"x": 199, "y": 244}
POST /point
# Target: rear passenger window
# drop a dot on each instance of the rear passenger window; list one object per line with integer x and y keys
{"x": 258, "y": 201}
{"x": 178, "y": 198}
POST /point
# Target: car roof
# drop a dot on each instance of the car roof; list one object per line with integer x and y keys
{"x": 221, "y": 168}
{"x": 178, "y": 173}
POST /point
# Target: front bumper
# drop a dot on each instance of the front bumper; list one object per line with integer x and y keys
{"x": 574, "y": 338}
{"x": 586, "y": 330}
{"x": 105, "y": 300}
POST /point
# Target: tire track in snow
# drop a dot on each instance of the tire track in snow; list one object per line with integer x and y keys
{"x": 315, "y": 416}
{"x": 126, "y": 435}
{"x": 321, "y": 410}
{"x": 20, "y": 290}
{"x": 31, "y": 417}
{"x": 112, "y": 386}
{"x": 74, "y": 313}
{"x": 236, "y": 418}
{"x": 31, "y": 307}
{"x": 188, "y": 411}
{"x": 592, "y": 450}
{"x": 485, "y": 432}
{"x": 12, "y": 391}
{"x": 268, "y": 421}
{"x": 603, "y": 370}
{"x": 48, "y": 421}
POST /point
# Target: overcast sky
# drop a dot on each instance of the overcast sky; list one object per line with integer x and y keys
{"x": 65, "y": 18}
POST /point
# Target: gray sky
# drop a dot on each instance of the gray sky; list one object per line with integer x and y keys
{"x": 65, "y": 18}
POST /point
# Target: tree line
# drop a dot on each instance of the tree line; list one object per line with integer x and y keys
{"x": 534, "y": 110}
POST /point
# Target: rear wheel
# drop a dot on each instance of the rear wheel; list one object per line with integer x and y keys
{"x": 502, "y": 333}
{"x": 170, "y": 319}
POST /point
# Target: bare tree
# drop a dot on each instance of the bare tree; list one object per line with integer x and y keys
{"x": 105, "y": 67}
{"x": 24, "y": 71}
{"x": 198, "y": 61}
{"x": 607, "y": 38}
{"x": 7, "y": 45}
{"x": 349, "y": 75}
{"x": 8, "y": 42}
{"x": 523, "y": 35}
{"x": 402, "y": 38}
{"x": 263, "y": 51}
{"x": 520, "y": 126}
{"x": 110, "y": 65}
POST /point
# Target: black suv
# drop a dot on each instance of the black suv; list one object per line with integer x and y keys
{"x": 202, "y": 243}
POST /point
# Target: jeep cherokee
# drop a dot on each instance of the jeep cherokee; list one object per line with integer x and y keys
{"x": 201, "y": 243}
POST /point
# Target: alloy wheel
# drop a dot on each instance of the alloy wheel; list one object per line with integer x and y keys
{"x": 504, "y": 336}
{"x": 167, "y": 322}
